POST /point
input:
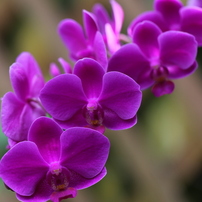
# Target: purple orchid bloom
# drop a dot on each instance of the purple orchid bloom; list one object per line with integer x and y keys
{"x": 91, "y": 97}
{"x": 21, "y": 107}
{"x": 110, "y": 27}
{"x": 53, "y": 164}
{"x": 89, "y": 44}
{"x": 156, "y": 58}
{"x": 172, "y": 15}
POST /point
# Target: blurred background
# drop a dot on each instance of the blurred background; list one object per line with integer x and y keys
{"x": 160, "y": 159}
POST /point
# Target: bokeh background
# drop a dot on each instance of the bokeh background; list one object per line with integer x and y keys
{"x": 160, "y": 159}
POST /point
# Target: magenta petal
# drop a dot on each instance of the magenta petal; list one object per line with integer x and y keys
{"x": 42, "y": 193}
{"x": 90, "y": 25}
{"x": 178, "y": 49}
{"x": 65, "y": 65}
{"x": 11, "y": 143}
{"x": 76, "y": 120}
{"x": 28, "y": 115}
{"x": 194, "y": 3}
{"x": 148, "y": 43}
{"x": 63, "y": 96}
{"x": 114, "y": 122}
{"x": 121, "y": 94}
{"x": 29, "y": 63}
{"x": 79, "y": 182}
{"x": 72, "y": 35}
{"x": 90, "y": 72}
{"x": 45, "y": 133}
{"x": 84, "y": 151}
{"x": 33, "y": 72}
{"x": 111, "y": 38}
{"x": 100, "y": 50}
{"x": 191, "y": 22}
{"x": 163, "y": 88}
{"x": 19, "y": 80}
{"x": 153, "y": 16}
{"x": 170, "y": 11}
{"x": 176, "y": 72}
{"x": 11, "y": 115}
{"x": 17, "y": 117}
{"x": 22, "y": 167}
{"x": 102, "y": 16}
{"x": 118, "y": 15}
{"x": 67, "y": 193}
{"x": 130, "y": 60}
{"x": 54, "y": 70}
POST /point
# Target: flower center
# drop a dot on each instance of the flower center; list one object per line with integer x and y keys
{"x": 58, "y": 177}
{"x": 159, "y": 73}
{"x": 93, "y": 113}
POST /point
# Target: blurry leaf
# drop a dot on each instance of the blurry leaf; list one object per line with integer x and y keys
{"x": 166, "y": 126}
{"x": 3, "y": 143}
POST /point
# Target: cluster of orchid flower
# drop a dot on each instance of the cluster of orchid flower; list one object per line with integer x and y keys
{"x": 55, "y": 129}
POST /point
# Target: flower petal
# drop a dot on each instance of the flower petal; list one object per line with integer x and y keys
{"x": 17, "y": 117}
{"x": 42, "y": 192}
{"x": 170, "y": 11}
{"x": 194, "y": 3}
{"x": 176, "y": 72}
{"x": 28, "y": 115}
{"x": 19, "y": 81}
{"x": 79, "y": 182}
{"x": 54, "y": 70}
{"x": 148, "y": 43}
{"x": 45, "y": 133}
{"x": 22, "y": 167}
{"x": 100, "y": 50}
{"x": 102, "y": 16}
{"x": 90, "y": 25}
{"x": 63, "y": 96}
{"x": 33, "y": 72}
{"x": 121, "y": 94}
{"x": 57, "y": 196}
{"x": 191, "y": 22}
{"x": 178, "y": 49}
{"x": 65, "y": 65}
{"x": 163, "y": 88}
{"x": 111, "y": 38}
{"x": 118, "y": 15}
{"x": 76, "y": 120}
{"x": 114, "y": 122}
{"x": 84, "y": 151}
{"x": 130, "y": 61}
{"x": 72, "y": 35}
{"x": 90, "y": 72}
{"x": 11, "y": 110}
{"x": 153, "y": 16}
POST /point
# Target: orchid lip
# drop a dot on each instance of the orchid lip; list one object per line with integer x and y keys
{"x": 93, "y": 113}
{"x": 58, "y": 177}
{"x": 160, "y": 73}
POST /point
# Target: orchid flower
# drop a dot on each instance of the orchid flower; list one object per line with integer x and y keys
{"x": 155, "y": 59}
{"x": 91, "y": 97}
{"x": 53, "y": 164}
{"x": 21, "y": 107}
{"x": 172, "y": 15}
